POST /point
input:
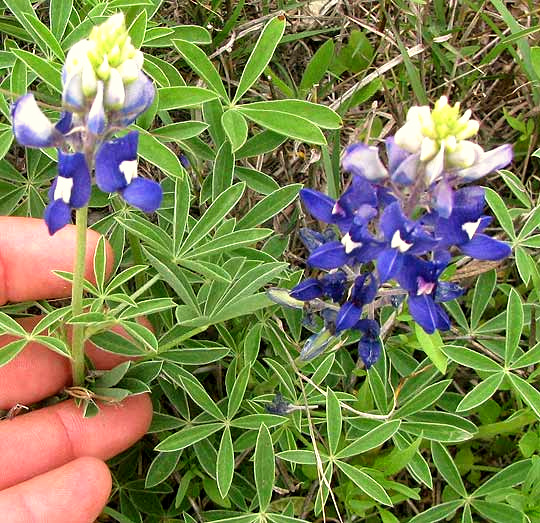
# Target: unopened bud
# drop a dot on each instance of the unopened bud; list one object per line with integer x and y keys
{"x": 428, "y": 149}
{"x": 115, "y": 93}
{"x": 114, "y": 56}
{"x": 104, "y": 69}
{"x": 89, "y": 80}
{"x": 138, "y": 56}
{"x": 129, "y": 71}
{"x": 465, "y": 155}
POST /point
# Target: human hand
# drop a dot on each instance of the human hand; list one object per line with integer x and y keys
{"x": 52, "y": 458}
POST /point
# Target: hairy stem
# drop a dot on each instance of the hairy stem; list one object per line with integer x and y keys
{"x": 77, "y": 342}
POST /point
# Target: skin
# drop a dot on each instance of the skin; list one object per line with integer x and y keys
{"x": 53, "y": 466}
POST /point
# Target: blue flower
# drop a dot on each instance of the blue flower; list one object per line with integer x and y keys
{"x": 331, "y": 285}
{"x": 464, "y": 226}
{"x": 70, "y": 190}
{"x": 363, "y": 292}
{"x": 116, "y": 170}
{"x": 402, "y": 236}
{"x": 359, "y": 199}
{"x": 420, "y": 279}
{"x": 369, "y": 346}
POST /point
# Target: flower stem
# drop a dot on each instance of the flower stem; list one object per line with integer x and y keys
{"x": 77, "y": 341}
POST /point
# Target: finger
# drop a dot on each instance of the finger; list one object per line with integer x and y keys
{"x": 73, "y": 493}
{"x": 34, "y": 443}
{"x": 28, "y": 255}
{"x": 38, "y": 372}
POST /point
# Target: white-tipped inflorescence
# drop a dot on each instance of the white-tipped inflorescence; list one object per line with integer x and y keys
{"x": 106, "y": 57}
{"x": 440, "y": 136}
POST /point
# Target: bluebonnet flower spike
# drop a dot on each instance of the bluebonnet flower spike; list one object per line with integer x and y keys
{"x": 104, "y": 90}
{"x": 404, "y": 221}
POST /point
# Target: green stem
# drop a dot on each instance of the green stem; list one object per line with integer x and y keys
{"x": 138, "y": 258}
{"x": 77, "y": 342}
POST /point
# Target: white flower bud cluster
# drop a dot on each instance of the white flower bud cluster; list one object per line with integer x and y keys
{"x": 107, "y": 57}
{"x": 440, "y": 136}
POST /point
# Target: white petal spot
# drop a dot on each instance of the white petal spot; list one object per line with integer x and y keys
{"x": 398, "y": 243}
{"x": 129, "y": 169}
{"x": 471, "y": 227}
{"x": 349, "y": 244}
{"x": 63, "y": 188}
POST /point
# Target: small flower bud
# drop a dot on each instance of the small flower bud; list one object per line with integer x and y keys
{"x": 115, "y": 94}
{"x": 114, "y": 56}
{"x": 138, "y": 56}
{"x": 89, "y": 80}
{"x": 73, "y": 94}
{"x": 77, "y": 56}
{"x": 470, "y": 129}
{"x": 129, "y": 71}
{"x": 104, "y": 69}
{"x": 96, "y": 115}
{"x": 464, "y": 155}
{"x": 428, "y": 149}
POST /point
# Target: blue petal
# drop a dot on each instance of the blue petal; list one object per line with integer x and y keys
{"x": 65, "y": 123}
{"x": 74, "y": 166}
{"x": 31, "y": 127}
{"x": 96, "y": 115}
{"x": 358, "y": 194}
{"x": 396, "y": 155}
{"x": 367, "y": 253}
{"x": 489, "y": 161}
{"x": 72, "y": 94}
{"x": 363, "y": 160}
{"x": 57, "y": 215}
{"x": 470, "y": 200}
{"x": 369, "y": 350}
{"x": 110, "y": 155}
{"x": 392, "y": 219}
{"x": 444, "y": 198}
{"x": 384, "y": 196}
{"x": 144, "y": 194}
{"x": 370, "y": 328}
{"x": 328, "y": 256}
{"x": 348, "y": 316}
{"x": 307, "y": 290}
{"x": 424, "y": 311}
{"x": 139, "y": 97}
{"x": 422, "y": 241}
{"x": 319, "y": 205}
{"x": 407, "y": 171}
{"x": 483, "y": 247}
{"x": 333, "y": 285}
{"x": 413, "y": 268}
{"x": 364, "y": 289}
{"x": 389, "y": 262}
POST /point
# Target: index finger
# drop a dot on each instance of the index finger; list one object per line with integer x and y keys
{"x": 28, "y": 255}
